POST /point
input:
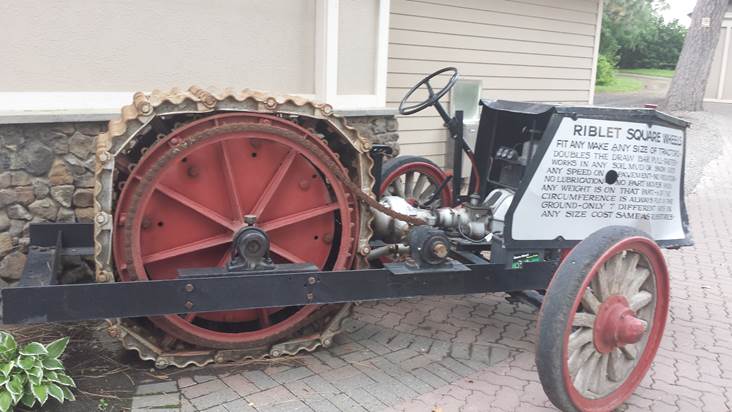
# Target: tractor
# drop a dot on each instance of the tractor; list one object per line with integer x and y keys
{"x": 233, "y": 225}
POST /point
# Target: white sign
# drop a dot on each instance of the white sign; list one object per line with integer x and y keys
{"x": 598, "y": 173}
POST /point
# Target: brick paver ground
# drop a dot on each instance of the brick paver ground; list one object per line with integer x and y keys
{"x": 476, "y": 352}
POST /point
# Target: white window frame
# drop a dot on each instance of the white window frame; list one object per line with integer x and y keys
{"x": 326, "y": 59}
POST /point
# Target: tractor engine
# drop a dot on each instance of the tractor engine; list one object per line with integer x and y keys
{"x": 473, "y": 220}
{"x": 183, "y": 172}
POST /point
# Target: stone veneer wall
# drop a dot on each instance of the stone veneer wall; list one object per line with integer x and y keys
{"x": 47, "y": 175}
{"x": 379, "y": 129}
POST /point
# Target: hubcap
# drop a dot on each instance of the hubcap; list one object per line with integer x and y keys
{"x": 609, "y": 329}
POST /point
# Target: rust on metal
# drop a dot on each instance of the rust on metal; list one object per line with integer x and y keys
{"x": 141, "y": 103}
{"x": 123, "y": 137}
{"x": 206, "y": 98}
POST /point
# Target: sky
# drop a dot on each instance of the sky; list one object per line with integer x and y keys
{"x": 679, "y": 9}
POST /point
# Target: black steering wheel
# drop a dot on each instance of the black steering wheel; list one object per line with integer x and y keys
{"x": 434, "y": 97}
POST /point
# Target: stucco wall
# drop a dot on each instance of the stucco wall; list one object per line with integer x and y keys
{"x": 537, "y": 50}
{"x": 131, "y": 45}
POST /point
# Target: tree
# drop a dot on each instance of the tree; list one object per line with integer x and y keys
{"x": 623, "y": 22}
{"x": 635, "y": 35}
{"x": 659, "y": 46}
{"x": 690, "y": 79}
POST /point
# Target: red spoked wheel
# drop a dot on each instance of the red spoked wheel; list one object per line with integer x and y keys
{"x": 186, "y": 198}
{"x": 415, "y": 179}
{"x": 602, "y": 320}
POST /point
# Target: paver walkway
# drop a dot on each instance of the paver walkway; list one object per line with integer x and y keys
{"x": 476, "y": 352}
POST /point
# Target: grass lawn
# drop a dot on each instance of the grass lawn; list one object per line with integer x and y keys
{"x": 650, "y": 72}
{"x": 621, "y": 84}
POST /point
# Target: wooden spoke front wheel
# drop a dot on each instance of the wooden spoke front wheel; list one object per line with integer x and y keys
{"x": 602, "y": 320}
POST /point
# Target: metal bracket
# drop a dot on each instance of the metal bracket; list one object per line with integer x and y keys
{"x": 192, "y": 273}
{"x": 48, "y": 243}
{"x": 408, "y": 268}
{"x": 377, "y": 155}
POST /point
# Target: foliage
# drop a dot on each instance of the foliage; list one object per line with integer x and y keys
{"x": 33, "y": 373}
{"x": 605, "y": 70}
{"x": 621, "y": 84}
{"x": 637, "y": 36}
{"x": 650, "y": 72}
{"x": 660, "y": 47}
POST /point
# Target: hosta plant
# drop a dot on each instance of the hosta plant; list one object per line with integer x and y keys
{"x": 31, "y": 374}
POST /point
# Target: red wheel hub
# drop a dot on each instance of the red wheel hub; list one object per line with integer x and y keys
{"x": 616, "y": 325}
{"x": 183, "y": 203}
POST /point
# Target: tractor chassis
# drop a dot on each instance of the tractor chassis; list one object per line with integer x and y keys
{"x": 216, "y": 289}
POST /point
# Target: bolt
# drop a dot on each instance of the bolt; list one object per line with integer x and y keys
{"x": 113, "y": 331}
{"x": 304, "y": 184}
{"x": 219, "y": 358}
{"x": 174, "y": 141}
{"x": 100, "y": 218}
{"x": 309, "y": 296}
{"x": 311, "y": 280}
{"x": 189, "y": 288}
{"x": 275, "y": 353}
{"x": 327, "y": 342}
{"x": 250, "y": 219}
{"x": 104, "y": 157}
{"x": 440, "y": 250}
{"x": 193, "y": 171}
{"x": 189, "y": 305}
{"x": 161, "y": 363}
{"x": 253, "y": 247}
{"x": 328, "y": 238}
{"x": 365, "y": 250}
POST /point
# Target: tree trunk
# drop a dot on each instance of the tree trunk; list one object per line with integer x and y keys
{"x": 692, "y": 71}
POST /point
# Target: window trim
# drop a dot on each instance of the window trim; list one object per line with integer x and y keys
{"x": 326, "y": 58}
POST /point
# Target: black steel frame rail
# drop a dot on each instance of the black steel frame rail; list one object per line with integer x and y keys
{"x": 39, "y": 299}
{"x": 56, "y": 303}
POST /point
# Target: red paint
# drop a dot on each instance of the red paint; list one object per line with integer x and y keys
{"x": 616, "y": 325}
{"x": 435, "y": 175}
{"x": 188, "y": 219}
{"x": 654, "y": 256}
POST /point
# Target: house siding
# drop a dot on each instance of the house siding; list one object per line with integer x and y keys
{"x": 529, "y": 50}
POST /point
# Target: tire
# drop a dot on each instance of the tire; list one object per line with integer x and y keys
{"x": 607, "y": 265}
{"x": 402, "y": 165}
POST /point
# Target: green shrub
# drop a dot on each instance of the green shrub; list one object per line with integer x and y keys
{"x": 32, "y": 373}
{"x": 605, "y": 70}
